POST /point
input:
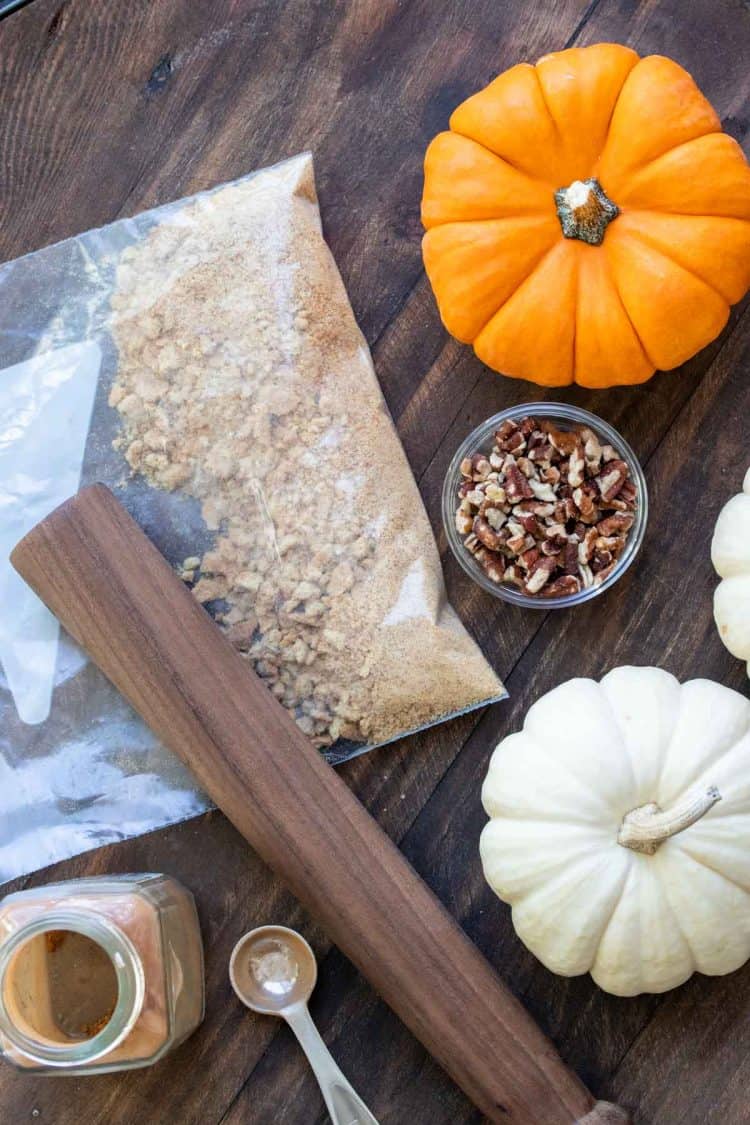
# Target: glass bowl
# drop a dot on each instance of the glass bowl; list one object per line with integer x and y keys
{"x": 564, "y": 417}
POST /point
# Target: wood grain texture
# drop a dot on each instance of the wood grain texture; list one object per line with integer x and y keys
{"x": 109, "y": 108}
{"x": 121, "y": 601}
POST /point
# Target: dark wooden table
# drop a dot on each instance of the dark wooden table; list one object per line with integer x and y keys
{"x": 108, "y": 108}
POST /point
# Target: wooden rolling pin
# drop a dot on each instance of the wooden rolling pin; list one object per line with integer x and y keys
{"x": 120, "y": 599}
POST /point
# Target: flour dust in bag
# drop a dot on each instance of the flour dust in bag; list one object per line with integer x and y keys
{"x": 202, "y": 359}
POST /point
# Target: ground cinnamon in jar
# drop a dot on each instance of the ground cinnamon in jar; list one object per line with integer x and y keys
{"x": 82, "y": 982}
{"x": 98, "y": 974}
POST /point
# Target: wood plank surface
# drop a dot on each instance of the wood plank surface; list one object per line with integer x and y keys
{"x": 108, "y": 109}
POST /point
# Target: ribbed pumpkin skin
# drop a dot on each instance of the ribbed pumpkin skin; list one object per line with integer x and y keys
{"x": 537, "y": 305}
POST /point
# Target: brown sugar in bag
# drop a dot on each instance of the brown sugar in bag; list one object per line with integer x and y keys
{"x": 244, "y": 382}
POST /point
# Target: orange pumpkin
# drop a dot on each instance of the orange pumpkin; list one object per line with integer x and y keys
{"x": 587, "y": 220}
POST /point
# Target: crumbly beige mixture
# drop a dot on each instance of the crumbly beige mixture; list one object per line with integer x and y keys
{"x": 244, "y": 380}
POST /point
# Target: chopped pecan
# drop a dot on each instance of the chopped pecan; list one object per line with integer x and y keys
{"x": 570, "y": 558}
{"x": 562, "y": 587}
{"x": 628, "y": 493}
{"x": 603, "y": 574}
{"x": 543, "y": 491}
{"x": 493, "y": 566}
{"x": 534, "y": 508}
{"x": 516, "y": 486}
{"x": 576, "y": 466}
{"x": 495, "y": 492}
{"x": 529, "y": 558}
{"x": 592, "y": 449}
{"x": 540, "y": 572}
{"x": 587, "y": 545}
{"x": 564, "y": 441}
{"x": 565, "y": 510}
{"x": 512, "y": 576}
{"x": 493, "y": 513}
{"x": 480, "y": 467}
{"x": 515, "y": 444}
{"x": 488, "y": 536}
{"x": 611, "y": 479}
{"x": 527, "y": 467}
{"x": 542, "y": 452}
{"x": 600, "y": 560}
{"x": 532, "y": 525}
{"x": 613, "y": 543}
{"x": 464, "y": 522}
{"x": 516, "y": 544}
{"x": 555, "y": 531}
{"x": 509, "y": 438}
{"x": 583, "y": 499}
{"x": 616, "y": 524}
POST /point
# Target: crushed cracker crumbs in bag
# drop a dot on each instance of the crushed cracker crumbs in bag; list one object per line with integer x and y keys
{"x": 244, "y": 383}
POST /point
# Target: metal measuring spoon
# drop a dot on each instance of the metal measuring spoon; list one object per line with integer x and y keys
{"x": 273, "y": 971}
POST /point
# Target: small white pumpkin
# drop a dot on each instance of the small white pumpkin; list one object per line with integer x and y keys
{"x": 730, "y": 554}
{"x": 620, "y": 829}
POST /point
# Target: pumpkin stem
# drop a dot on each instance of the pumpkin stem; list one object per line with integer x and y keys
{"x": 645, "y": 828}
{"x": 584, "y": 211}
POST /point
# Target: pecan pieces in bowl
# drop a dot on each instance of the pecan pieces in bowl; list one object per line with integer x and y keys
{"x": 548, "y": 511}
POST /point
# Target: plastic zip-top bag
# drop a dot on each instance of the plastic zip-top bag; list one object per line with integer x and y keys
{"x": 203, "y": 360}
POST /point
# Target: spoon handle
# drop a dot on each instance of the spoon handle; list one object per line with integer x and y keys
{"x": 344, "y": 1105}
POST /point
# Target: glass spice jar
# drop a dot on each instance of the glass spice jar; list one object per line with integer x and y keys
{"x": 99, "y": 974}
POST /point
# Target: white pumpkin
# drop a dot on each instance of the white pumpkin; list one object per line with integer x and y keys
{"x": 620, "y": 829}
{"x": 730, "y": 554}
